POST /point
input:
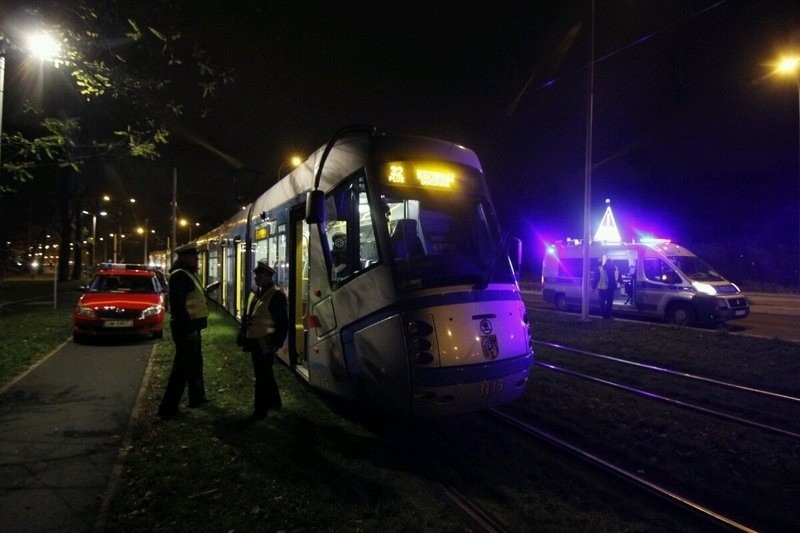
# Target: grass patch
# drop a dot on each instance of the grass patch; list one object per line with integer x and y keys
{"x": 28, "y": 335}
{"x": 317, "y": 466}
{"x": 303, "y": 468}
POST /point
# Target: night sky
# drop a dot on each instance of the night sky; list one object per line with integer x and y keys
{"x": 693, "y": 139}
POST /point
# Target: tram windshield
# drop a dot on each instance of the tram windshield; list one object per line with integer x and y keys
{"x": 434, "y": 234}
{"x": 437, "y": 242}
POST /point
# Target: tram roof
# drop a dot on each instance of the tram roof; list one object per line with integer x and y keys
{"x": 349, "y": 154}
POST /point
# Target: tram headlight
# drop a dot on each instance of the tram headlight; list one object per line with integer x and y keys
{"x": 421, "y": 358}
{"x": 418, "y": 345}
{"x": 418, "y": 328}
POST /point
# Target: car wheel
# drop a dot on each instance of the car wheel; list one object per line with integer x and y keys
{"x": 158, "y": 334}
{"x": 681, "y": 314}
{"x": 77, "y": 338}
{"x": 560, "y": 302}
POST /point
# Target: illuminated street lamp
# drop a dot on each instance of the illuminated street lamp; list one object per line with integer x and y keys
{"x": 146, "y": 233}
{"x": 294, "y": 162}
{"x": 94, "y": 234}
{"x": 40, "y": 45}
{"x": 186, "y": 224}
{"x": 117, "y": 236}
{"x": 790, "y": 66}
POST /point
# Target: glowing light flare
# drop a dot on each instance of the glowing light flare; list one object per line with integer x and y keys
{"x": 607, "y": 231}
{"x": 704, "y": 288}
{"x": 45, "y": 47}
{"x": 788, "y": 65}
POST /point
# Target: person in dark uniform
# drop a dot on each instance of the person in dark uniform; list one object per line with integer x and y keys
{"x": 188, "y": 316}
{"x": 264, "y": 330}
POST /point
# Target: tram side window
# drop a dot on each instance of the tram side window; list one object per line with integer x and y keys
{"x": 213, "y": 263}
{"x": 350, "y": 230}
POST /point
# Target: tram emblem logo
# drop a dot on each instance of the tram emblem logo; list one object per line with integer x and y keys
{"x": 490, "y": 347}
{"x": 486, "y": 327}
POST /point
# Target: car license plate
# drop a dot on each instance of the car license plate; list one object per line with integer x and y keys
{"x": 739, "y": 312}
{"x": 118, "y": 323}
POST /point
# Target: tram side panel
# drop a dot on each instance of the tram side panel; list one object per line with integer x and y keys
{"x": 324, "y": 358}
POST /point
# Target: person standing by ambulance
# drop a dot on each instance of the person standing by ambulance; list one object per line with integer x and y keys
{"x": 188, "y": 316}
{"x": 264, "y": 330}
{"x": 606, "y": 280}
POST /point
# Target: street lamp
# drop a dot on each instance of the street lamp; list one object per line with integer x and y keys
{"x": 294, "y": 162}
{"x": 146, "y": 233}
{"x": 790, "y": 66}
{"x": 40, "y": 45}
{"x": 94, "y": 234}
{"x": 186, "y": 224}
{"x": 118, "y": 236}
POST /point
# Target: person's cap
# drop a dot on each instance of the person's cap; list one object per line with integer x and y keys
{"x": 262, "y": 266}
{"x": 188, "y": 249}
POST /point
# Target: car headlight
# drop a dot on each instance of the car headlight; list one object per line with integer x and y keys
{"x": 151, "y": 311}
{"x": 85, "y": 312}
{"x": 704, "y": 288}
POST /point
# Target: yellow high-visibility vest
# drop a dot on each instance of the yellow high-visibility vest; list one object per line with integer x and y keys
{"x": 261, "y": 321}
{"x": 196, "y": 304}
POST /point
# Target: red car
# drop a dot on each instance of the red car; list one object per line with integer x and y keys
{"x": 121, "y": 300}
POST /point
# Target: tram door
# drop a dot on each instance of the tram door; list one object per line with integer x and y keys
{"x": 298, "y": 297}
{"x": 241, "y": 278}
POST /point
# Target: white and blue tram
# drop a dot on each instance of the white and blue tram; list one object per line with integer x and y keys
{"x": 401, "y": 291}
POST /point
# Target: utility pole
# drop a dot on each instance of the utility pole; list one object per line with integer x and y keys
{"x": 174, "y": 210}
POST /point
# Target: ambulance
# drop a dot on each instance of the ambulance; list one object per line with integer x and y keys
{"x": 656, "y": 278}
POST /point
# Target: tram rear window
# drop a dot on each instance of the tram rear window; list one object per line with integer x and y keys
{"x": 429, "y": 175}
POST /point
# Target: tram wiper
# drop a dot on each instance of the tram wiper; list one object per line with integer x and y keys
{"x": 497, "y": 254}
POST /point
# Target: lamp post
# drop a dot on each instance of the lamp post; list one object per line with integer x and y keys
{"x": 145, "y": 231}
{"x": 790, "y": 66}
{"x": 118, "y": 236}
{"x": 2, "y": 91}
{"x": 94, "y": 234}
{"x": 184, "y": 223}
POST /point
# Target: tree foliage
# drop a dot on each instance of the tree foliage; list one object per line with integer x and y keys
{"x": 134, "y": 76}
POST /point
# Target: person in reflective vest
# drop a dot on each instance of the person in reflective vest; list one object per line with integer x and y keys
{"x": 188, "y": 316}
{"x": 264, "y": 329}
{"x": 606, "y": 280}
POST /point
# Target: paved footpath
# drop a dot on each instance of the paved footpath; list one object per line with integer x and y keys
{"x": 61, "y": 428}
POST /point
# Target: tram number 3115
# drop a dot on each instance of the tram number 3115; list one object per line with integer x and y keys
{"x": 491, "y": 387}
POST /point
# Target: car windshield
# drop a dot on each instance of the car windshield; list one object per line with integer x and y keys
{"x": 696, "y": 269}
{"x": 122, "y": 283}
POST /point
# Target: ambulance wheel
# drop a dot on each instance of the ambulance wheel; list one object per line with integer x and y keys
{"x": 560, "y": 302}
{"x": 681, "y": 314}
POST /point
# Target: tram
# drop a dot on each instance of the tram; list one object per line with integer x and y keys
{"x": 403, "y": 296}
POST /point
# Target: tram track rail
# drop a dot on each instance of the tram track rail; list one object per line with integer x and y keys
{"x": 736, "y": 387}
{"x": 687, "y": 375}
{"x": 724, "y": 433}
{"x": 684, "y": 503}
